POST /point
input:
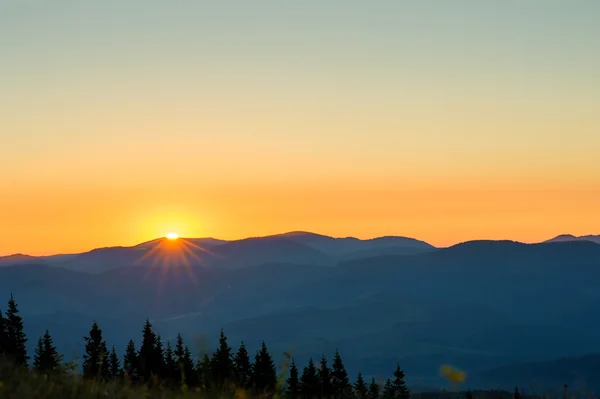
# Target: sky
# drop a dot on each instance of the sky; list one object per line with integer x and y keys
{"x": 444, "y": 121}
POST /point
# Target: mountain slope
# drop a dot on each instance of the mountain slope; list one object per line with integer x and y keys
{"x": 343, "y": 247}
{"x": 570, "y": 237}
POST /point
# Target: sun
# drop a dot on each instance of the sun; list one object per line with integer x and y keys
{"x": 172, "y": 236}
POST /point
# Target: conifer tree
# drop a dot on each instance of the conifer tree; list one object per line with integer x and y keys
{"x": 222, "y": 363}
{"x": 16, "y": 339}
{"x": 179, "y": 349}
{"x": 309, "y": 382}
{"x": 46, "y": 359}
{"x": 398, "y": 384}
{"x": 373, "y": 389}
{"x": 325, "y": 380}
{"x": 130, "y": 362}
{"x": 104, "y": 362}
{"x": 388, "y": 390}
{"x": 293, "y": 383}
{"x": 188, "y": 368}
{"x": 179, "y": 359}
{"x": 38, "y": 356}
{"x": 516, "y": 395}
{"x": 171, "y": 367}
{"x": 243, "y": 367}
{"x": 360, "y": 388}
{"x": 95, "y": 359}
{"x": 469, "y": 394}
{"x": 264, "y": 374}
{"x": 205, "y": 373}
{"x": 339, "y": 377}
{"x": 159, "y": 356}
{"x": 115, "y": 364}
{"x": 148, "y": 362}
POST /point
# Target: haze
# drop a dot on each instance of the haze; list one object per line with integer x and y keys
{"x": 122, "y": 121}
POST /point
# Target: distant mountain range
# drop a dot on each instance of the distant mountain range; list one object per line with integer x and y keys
{"x": 479, "y": 305}
{"x": 297, "y": 247}
{"x": 570, "y": 237}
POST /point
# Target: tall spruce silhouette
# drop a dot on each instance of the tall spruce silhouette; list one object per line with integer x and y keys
{"x": 292, "y": 384}
{"x": 264, "y": 373}
{"x": 179, "y": 359}
{"x": 115, "y": 364}
{"x": 388, "y": 390}
{"x": 339, "y": 377}
{"x": 159, "y": 358}
{"x": 38, "y": 356}
{"x": 360, "y": 388}
{"x": 46, "y": 359}
{"x": 325, "y": 380}
{"x": 309, "y": 381}
{"x": 399, "y": 385}
{"x": 516, "y": 394}
{"x": 374, "y": 389}
{"x": 191, "y": 377}
{"x": 148, "y": 359}
{"x": 222, "y": 363}
{"x": 204, "y": 370}
{"x": 243, "y": 367}
{"x": 105, "y": 363}
{"x": 16, "y": 340}
{"x": 171, "y": 367}
{"x": 130, "y": 362}
{"x": 95, "y": 359}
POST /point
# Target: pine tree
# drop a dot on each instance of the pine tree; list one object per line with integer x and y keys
{"x": 222, "y": 363}
{"x": 243, "y": 367}
{"x": 104, "y": 362}
{"x": 339, "y": 378}
{"x": 469, "y": 394}
{"x": 205, "y": 373}
{"x": 130, "y": 362}
{"x": 293, "y": 383}
{"x": 360, "y": 388}
{"x": 171, "y": 367}
{"x": 95, "y": 359}
{"x": 115, "y": 365}
{"x": 398, "y": 385}
{"x": 309, "y": 382}
{"x": 16, "y": 339}
{"x": 516, "y": 395}
{"x": 373, "y": 389}
{"x": 325, "y": 380}
{"x": 46, "y": 359}
{"x": 264, "y": 376}
{"x": 179, "y": 359}
{"x": 388, "y": 390}
{"x": 188, "y": 368}
{"x": 147, "y": 359}
{"x": 38, "y": 358}
{"x": 159, "y": 356}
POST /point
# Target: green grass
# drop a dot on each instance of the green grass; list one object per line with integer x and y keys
{"x": 22, "y": 383}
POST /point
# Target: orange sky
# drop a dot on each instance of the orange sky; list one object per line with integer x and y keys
{"x": 44, "y": 220}
{"x": 119, "y": 123}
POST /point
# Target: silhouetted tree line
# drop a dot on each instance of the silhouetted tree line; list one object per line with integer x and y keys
{"x": 156, "y": 364}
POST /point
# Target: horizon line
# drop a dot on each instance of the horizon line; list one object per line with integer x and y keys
{"x": 297, "y": 232}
